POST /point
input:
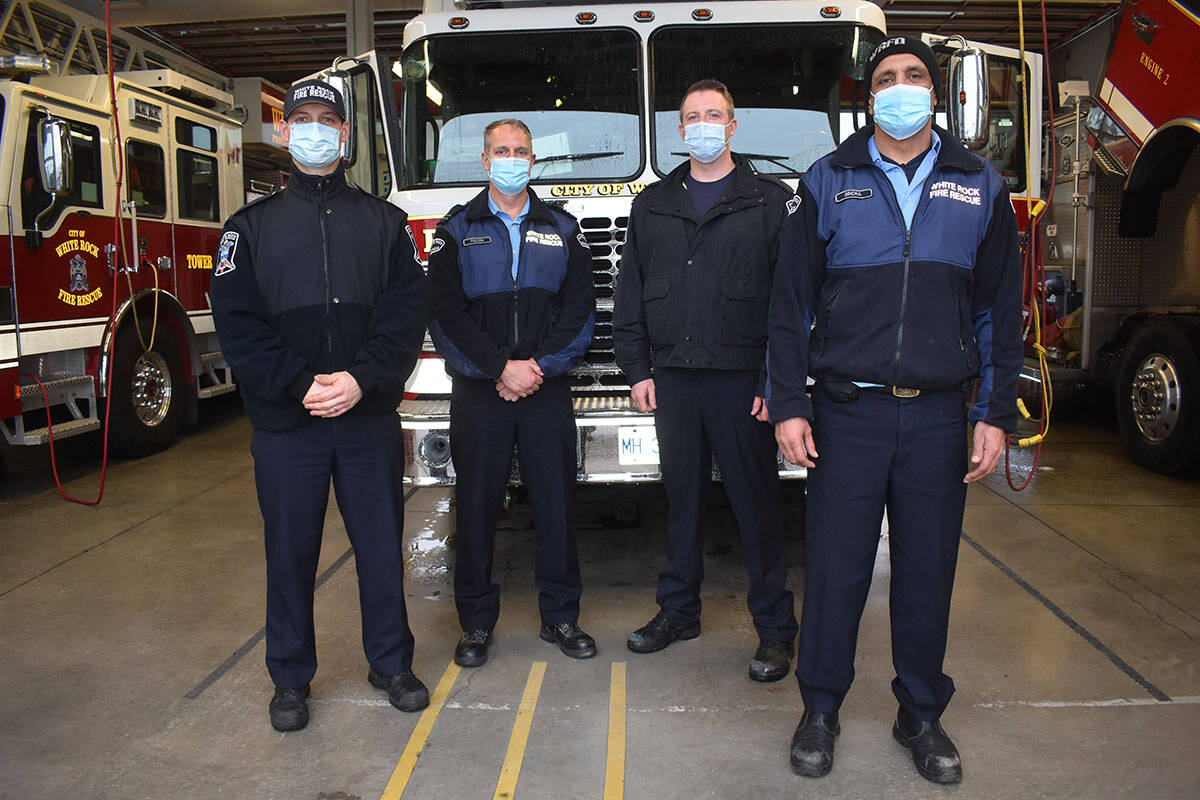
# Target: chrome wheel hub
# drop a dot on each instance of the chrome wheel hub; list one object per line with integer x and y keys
{"x": 151, "y": 389}
{"x": 1155, "y": 396}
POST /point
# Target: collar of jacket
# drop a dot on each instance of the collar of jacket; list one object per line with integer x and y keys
{"x": 853, "y": 152}
{"x": 311, "y": 187}
{"x": 478, "y": 207}
{"x": 674, "y": 197}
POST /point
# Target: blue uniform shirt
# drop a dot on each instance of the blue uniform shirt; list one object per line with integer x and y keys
{"x": 514, "y": 227}
{"x": 908, "y": 193}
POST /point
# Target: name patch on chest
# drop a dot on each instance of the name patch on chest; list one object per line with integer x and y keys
{"x": 853, "y": 194}
{"x": 474, "y": 240}
{"x": 963, "y": 194}
{"x": 548, "y": 239}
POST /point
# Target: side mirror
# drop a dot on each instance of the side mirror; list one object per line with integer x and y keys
{"x": 967, "y": 102}
{"x": 54, "y": 146}
{"x": 341, "y": 81}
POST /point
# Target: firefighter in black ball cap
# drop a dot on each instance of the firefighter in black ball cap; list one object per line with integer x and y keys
{"x": 319, "y": 302}
{"x": 903, "y": 251}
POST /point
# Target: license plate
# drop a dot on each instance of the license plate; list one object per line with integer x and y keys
{"x": 638, "y": 445}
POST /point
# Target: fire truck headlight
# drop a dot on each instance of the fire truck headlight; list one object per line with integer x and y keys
{"x": 434, "y": 450}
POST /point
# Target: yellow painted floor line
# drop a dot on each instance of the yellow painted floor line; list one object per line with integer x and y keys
{"x": 506, "y": 787}
{"x": 614, "y": 772}
{"x": 420, "y": 735}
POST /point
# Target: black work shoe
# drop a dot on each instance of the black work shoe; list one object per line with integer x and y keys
{"x": 812, "y": 744}
{"x": 771, "y": 661}
{"x": 934, "y": 754}
{"x": 472, "y": 649}
{"x": 570, "y": 639}
{"x": 289, "y": 709}
{"x": 405, "y": 691}
{"x": 658, "y": 633}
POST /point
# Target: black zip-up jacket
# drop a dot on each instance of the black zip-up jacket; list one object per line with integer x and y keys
{"x": 483, "y": 316}
{"x": 693, "y": 290}
{"x": 319, "y": 277}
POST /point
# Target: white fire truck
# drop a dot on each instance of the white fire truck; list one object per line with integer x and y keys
{"x": 1122, "y": 235}
{"x": 600, "y": 86}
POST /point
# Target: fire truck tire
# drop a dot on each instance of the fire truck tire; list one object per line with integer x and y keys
{"x": 1158, "y": 398}
{"x": 147, "y": 393}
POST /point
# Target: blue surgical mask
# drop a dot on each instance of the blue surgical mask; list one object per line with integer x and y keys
{"x": 510, "y": 175}
{"x": 705, "y": 141}
{"x": 902, "y": 110}
{"x": 314, "y": 145}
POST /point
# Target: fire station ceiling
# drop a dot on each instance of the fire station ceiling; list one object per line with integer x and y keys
{"x": 282, "y": 41}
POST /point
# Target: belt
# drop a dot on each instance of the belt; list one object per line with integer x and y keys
{"x": 895, "y": 391}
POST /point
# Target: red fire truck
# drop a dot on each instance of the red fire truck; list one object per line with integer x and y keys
{"x": 1123, "y": 233}
{"x": 182, "y": 176}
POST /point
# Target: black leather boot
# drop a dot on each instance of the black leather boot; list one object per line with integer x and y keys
{"x": 934, "y": 754}
{"x": 812, "y": 744}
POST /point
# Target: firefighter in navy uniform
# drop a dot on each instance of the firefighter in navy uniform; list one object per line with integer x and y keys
{"x": 513, "y": 307}
{"x": 903, "y": 251}
{"x": 320, "y": 308}
{"x": 690, "y": 333}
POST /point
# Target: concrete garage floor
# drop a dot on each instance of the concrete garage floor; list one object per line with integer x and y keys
{"x": 132, "y": 654}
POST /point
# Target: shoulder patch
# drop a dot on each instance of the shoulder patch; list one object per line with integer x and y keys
{"x": 583, "y": 242}
{"x": 437, "y": 244}
{"x": 853, "y": 194}
{"x": 413, "y": 239}
{"x": 225, "y": 253}
{"x": 793, "y": 204}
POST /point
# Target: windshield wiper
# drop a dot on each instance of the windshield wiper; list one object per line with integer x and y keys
{"x": 580, "y": 156}
{"x": 776, "y": 160}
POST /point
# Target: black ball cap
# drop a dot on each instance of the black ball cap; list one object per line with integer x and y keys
{"x": 313, "y": 91}
{"x": 894, "y": 45}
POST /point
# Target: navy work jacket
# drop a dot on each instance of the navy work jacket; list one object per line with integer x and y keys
{"x": 858, "y": 296}
{"x": 319, "y": 277}
{"x": 482, "y": 317}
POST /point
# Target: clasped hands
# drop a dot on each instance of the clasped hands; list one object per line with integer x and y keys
{"x": 332, "y": 395}
{"x": 519, "y": 379}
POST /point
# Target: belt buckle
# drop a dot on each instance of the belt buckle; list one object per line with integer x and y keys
{"x": 900, "y": 391}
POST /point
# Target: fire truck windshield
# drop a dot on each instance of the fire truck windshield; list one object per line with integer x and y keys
{"x": 791, "y": 84}
{"x": 578, "y": 91}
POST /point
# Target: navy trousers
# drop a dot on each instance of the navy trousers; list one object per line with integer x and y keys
{"x": 910, "y": 454}
{"x": 292, "y": 470}
{"x": 483, "y": 429}
{"x": 702, "y": 412}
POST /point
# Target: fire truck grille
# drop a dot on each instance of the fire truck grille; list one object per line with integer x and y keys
{"x": 598, "y": 370}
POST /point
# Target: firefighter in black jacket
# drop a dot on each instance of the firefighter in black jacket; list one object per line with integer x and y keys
{"x": 690, "y": 332}
{"x": 320, "y": 308}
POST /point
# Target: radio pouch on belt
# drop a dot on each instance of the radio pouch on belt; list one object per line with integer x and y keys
{"x": 839, "y": 391}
